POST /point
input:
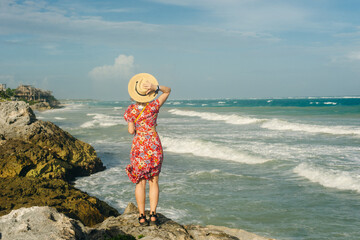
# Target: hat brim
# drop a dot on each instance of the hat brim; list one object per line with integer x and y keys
{"x": 133, "y": 87}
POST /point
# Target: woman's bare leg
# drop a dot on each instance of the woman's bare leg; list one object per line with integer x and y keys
{"x": 140, "y": 196}
{"x": 153, "y": 194}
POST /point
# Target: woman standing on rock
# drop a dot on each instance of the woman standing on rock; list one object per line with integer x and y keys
{"x": 146, "y": 154}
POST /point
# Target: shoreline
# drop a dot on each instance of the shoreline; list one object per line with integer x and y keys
{"x": 49, "y": 169}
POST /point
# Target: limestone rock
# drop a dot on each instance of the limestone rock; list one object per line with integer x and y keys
{"x": 20, "y": 192}
{"x": 42, "y": 106}
{"x": 211, "y": 232}
{"x": 15, "y": 114}
{"x": 167, "y": 230}
{"x": 42, "y": 146}
{"x": 39, "y": 223}
{"x": 38, "y": 161}
{"x": 128, "y": 223}
{"x": 46, "y": 223}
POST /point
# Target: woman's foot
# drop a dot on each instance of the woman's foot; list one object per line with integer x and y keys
{"x": 154, "y": 219}
{"x": 142, "y": 220}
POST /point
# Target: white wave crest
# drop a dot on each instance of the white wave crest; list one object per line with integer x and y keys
{"x": 102, "y": 120}
{"x": 210, "y": 150}
{"x": 329, "y": 178}
{"x": 276, "y": 124}
{"x": 231, "y": 119}
{"x": 65, "y": 108}
{"x": 59, "y": 118}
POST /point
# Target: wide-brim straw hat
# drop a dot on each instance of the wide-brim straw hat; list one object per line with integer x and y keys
{"x": 136, "y": 90}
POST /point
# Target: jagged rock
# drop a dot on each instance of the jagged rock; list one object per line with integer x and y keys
{"x": 128, "y": 223}
{"x": 16, "y": 114}
{"x": 39, "y": 223}
{"x": 20, "y": 192}
{"x": 167, "y": 230}
{"x": 211, "y": 232}
{"x": 37, "y": 162}
{"x": 42, "y": 106}
{"x": 46, "y": 223}
{"x": 18, "y": 122}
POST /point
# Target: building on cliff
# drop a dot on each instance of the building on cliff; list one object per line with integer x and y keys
{"x": 36, "y": 95}
{"x": 2, "y": 87}
{"x": 31, "y": 93}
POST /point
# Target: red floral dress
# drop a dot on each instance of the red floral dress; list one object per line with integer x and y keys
{"x": 146, "y": 153}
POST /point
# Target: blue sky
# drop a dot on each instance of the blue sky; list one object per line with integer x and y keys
{"x": 200, "y": 48}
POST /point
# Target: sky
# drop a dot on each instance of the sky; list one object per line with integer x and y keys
{"x": 87, "y": 49}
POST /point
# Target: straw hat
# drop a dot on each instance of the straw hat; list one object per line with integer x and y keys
{"x": 136, "y": 90}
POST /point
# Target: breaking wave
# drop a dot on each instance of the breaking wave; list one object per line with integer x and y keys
{"x": 329, "y": 178}
{"x": 231, "y": 119}
{"x": 209, "y": 150}
{"x": 102, "y": 120}
{"x": 276, "y": 124}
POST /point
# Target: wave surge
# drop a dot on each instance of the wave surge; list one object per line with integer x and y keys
{"x": 232, "y": 119}
{"x": 102, "y": 120}
{"x": 209, "y": 150}
{"x": 281, "y": 125}
{"x": 329, "y": 178}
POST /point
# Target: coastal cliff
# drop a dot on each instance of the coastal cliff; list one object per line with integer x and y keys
{"x": 39, "y": 161}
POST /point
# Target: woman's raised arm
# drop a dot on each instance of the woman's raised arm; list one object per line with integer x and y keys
{"x": 165, "y": 91}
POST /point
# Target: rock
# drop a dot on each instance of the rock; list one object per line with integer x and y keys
{"x": 46, "y": 223}
{"x": 128, "y": 223}
{"x": 211, "y": 232}
{"x": 39, "y": 223}
{"x": 40, "y": 147}
{"x": 38, "y": 161}
{"x": 42, "y": 106}
{"x": 20, "y": 192}
{"x": 16, "y": 114}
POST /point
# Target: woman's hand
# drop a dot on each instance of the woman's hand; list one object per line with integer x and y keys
{"x": 149, "y": 87}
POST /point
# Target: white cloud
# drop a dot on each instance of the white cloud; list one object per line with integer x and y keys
{"x": 122, "y": 68}
{"x": 55, "y": 24}
{"x": 253, "y": 15}
{"x": 354, "y": 56}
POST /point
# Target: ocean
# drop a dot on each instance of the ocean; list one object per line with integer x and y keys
{"x": 282, "y": 168}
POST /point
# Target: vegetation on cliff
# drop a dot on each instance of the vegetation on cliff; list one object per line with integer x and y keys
{"x": 36, "y": 97}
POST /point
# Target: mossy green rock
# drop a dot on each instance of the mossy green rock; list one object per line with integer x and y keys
{"x": 38, "y": 161}
{"x": 20, "y": 192}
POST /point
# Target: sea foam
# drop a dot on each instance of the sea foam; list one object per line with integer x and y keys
{"x": 231, "y": 119}
{"x": 281, "y": 125}
{"x": 329, "y": 178}
{"x": 209, "y": 150}
{"x": 102, "y": 120}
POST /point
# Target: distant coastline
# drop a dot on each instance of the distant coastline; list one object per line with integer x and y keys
{"x": 37, "y": 98}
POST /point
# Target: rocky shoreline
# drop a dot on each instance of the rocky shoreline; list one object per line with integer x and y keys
{"x": 38, "y": 200}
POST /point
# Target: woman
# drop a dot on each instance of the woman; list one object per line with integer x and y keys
{"x": 146, "y": 154}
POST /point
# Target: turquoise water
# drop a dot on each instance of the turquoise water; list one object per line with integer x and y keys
{"x": 282, "y": 168}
